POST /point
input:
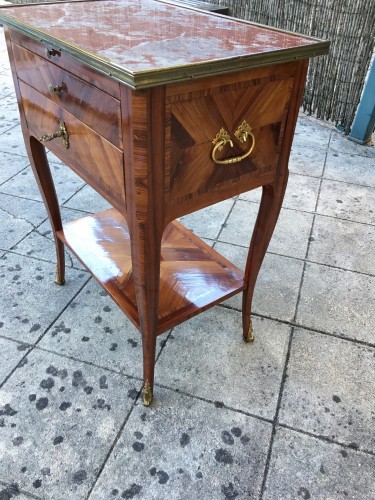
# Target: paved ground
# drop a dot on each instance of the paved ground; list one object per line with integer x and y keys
{"x": 291, "y": 416}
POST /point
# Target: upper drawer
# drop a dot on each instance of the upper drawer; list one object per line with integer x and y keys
{"x": 89, "y": 75}
{"x": 95, "y": 108}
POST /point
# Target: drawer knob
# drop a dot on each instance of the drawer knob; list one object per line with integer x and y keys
{"x": 55, "y": 89}
{"x": 52, "y": 52}
{"x": 62, "y": 132}
{"x": 223, "y": 138}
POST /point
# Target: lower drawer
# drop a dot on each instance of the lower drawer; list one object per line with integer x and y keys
{"x": 91, "y": 156}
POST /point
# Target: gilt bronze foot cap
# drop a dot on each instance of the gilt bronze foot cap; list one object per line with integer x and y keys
{"x": 147, "y": 394}
{"x": 249, "y": 338}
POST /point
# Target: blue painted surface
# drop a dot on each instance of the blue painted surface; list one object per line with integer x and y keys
{"x": 364, "y": 121}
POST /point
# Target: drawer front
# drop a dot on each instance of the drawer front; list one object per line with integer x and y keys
{"x": 195, "y": 119}
{"x": 90, "y": 105}
{"x": 75, "y": 67}
{"x": 91, "y": 156}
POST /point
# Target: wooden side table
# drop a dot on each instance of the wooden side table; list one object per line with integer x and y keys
{"x": 163, "y": 110}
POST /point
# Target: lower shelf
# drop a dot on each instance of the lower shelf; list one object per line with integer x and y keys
{"x": 193, "y": 276}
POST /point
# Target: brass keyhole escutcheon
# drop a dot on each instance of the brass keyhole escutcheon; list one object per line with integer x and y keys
{"x": 52, "y": 52}
{"x": 222, "y": 138}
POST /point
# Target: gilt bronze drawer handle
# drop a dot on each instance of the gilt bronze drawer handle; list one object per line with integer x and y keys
{"x": 62, "y": 132}
{"x": 55, "y": 89}
{"x": 223, "y": 138}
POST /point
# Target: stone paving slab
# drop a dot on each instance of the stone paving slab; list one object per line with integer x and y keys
{"x": 11, "y": 142}
{"x": 40, "y": 244}
{"x": 337, "y": 301}
{"x": 350, "y": 168}
{"x": 209, "y": 221}
{"x": 307, "y": 160}
{"x": 185, "y": 448}
{"x": 347, "y": 201}
{"x": 207, "y": 357}
{"x": 30, "y": 301}
{"x": 24, "y": 183}
{"x": 277, "y": 287}
{"x": 11, "y": 354}
{"x": 100, "y": 333}
{"x": 329, "y": 390}
{"x": 339, "y": 144}
{"x": 351, "y": 248}
{"x": 59, "y": 419}
{"x": 303, "y": 467}
{"x": 291, "y": 233}
{"x": 12, "y": 229}
{"x": 301, "y": 193}
{"x": 87, "y": 200}
{"x": 10, "y": 165}
{"x": 34, "y": 212}
{"x": 9, "y": 113}
{"x": 6, "y": 84}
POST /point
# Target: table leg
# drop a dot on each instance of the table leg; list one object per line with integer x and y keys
{"x": 39, "y": 163}
{"x": 146, "y": 248}
{"x": 268, "y": 214}
{"x": 42, "y": 173}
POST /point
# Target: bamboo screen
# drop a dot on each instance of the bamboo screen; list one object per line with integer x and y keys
{"x": 334, "y": 82}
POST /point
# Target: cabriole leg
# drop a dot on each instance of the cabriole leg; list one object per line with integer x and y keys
{"x": 42, "y": 173}
{"x": 268, "y": 214}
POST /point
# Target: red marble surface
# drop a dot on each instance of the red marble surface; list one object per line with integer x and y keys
{"x": 146, "y": 35}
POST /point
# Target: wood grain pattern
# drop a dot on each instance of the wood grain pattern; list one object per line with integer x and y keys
{"x": 193, "y": 276}
{"x": 93, "y": 158}
{"x": 93, "y": 107}
{"x": 196, "y": 117}
{"x": 74, "y": 66}
{"x": 39, "y": 164}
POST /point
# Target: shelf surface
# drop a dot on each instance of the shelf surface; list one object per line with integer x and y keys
{"x": 193, "y": 276}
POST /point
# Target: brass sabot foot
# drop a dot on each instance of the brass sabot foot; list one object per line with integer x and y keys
{"x": 250, "y": 334}
{"x": 147, "y": 394}
{"x": 58, "y": 281}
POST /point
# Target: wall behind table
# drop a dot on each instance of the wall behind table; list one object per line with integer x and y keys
{"x": 335, "y": 82}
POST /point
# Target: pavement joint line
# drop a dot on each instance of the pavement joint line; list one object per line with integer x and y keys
{"x": 301, "y": 326}
{"x": 134, "y": 378}
{"x": 21, "y": 218}
{"x": 120, "y": 373}
{"x": 235, "y": 199}
{"x": 39, "y": 259}
{"x": 14, "y": 175}
{"x": 276, "y": 417}
{"x": 35, "y": 344}
{"x": 76, "y": 192}
{"x": 326, "y": 439}
{"x": 9, "y": 375}
{"x": 218, "y": 404}
{"x": 21, "y": 197}
{"x": 109, "y": 453}
{"x": 62, "y": 311}
{"x": 308, "y": 261}
{"x": 24, "y": 492}
{"x": 315, "y": 213}
{"x": 23, "y": 238}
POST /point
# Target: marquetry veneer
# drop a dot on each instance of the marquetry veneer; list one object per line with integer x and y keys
{"x": 162, "y": 113}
